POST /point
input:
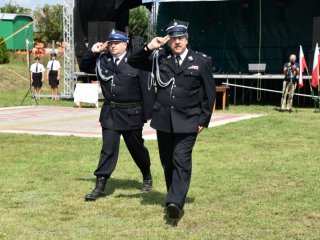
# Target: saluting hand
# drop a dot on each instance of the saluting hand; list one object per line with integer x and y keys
{"x": 99, "y": 47}
{"x": 158, "y": 42}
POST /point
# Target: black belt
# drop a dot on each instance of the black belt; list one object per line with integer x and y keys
{"x": 122, "y": 105}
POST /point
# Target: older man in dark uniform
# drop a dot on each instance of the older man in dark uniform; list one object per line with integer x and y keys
{"x": 291, "y": 71}
{"x": 180, "y": 111}
{"x": 123, "y": 112}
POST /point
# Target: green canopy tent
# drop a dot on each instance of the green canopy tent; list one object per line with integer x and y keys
{"x": 12, "y": 23}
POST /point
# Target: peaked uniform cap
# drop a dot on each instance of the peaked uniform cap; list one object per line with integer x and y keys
{"x": 116, "y": 35}
{"x": 177, "y": 28}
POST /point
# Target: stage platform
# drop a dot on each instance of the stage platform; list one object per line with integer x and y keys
{"x": 263, "y": 83}
{"x": 253, "y": 76}
{"x": 73, "y": 121}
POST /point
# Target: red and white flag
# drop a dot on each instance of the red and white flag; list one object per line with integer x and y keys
{"x": 315, "y": 69}
{"x": 302, "y": 65}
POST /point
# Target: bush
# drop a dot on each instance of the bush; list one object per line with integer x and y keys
{"x": 4, "y": 55}
{"x": 138, "y": 21}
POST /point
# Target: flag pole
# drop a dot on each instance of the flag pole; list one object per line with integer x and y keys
{"x": 318, "y": 101}
{"x": 311, "y": 90}
{"x": 309, "y": 79}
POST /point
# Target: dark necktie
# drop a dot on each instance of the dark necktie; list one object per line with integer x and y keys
{"x": 36, "y": 67}
{"x": 116, "y": 61}
{"x": 52, "y": 65}
{"x": 178, "y": 58}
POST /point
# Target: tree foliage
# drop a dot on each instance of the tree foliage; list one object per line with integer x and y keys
{"x": 138, "y": 21}
{"x": 4, "y": 55}
{"x": 50, "y": 26}
{"x": 10, "y": 8}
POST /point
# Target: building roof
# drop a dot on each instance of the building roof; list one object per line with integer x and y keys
{"x": 12, "y": 16}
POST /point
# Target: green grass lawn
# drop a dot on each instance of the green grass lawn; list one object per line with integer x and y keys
{"x": 254, "y": 179}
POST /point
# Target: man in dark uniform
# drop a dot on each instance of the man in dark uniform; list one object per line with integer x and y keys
{"x": 123, "y": 110}
{"x": 180, "y": 111}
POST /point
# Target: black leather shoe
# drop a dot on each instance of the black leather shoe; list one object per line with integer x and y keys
{"x": 94, "y": 195}
{"x": 147, "y": 185}
{"x": 98, "y": 191}
{"x": 165, "y": 209}
{"x": 173, "y": 210}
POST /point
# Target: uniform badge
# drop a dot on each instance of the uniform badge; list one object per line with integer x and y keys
{"x": 169, "y": 56}
{"x": 126, "y": 59}
{"x": 109, "y": 59}
{"x": 194, "y": 67}
{"x": 190, "y": 58}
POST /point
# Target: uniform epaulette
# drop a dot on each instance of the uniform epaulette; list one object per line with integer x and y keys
{"x": 201, "y": 54}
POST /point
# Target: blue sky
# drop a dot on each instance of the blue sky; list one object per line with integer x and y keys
{"x": 31, "y": 3}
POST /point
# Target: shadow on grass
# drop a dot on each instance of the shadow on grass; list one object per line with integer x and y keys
{"x": 173, "y": 222}
{"x": 150, "y": 198}
{"x": 84, "y": 106}
{"x": 114, "y": 183}
{"x": 278, "y": 109}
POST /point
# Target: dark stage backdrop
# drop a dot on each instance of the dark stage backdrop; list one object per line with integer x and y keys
{"x": 230, "y": 34}
{"x": 94, "y": 19}
{"x": 228, "y": 31}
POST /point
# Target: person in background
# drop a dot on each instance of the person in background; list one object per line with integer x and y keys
{"x": 291, "y": 73}
{"x": 180, "y": 111}
{"x": 124, "y": 110}
{"x": 130, "y": 38}
{"x": 37, "y": 76}
{"x": 53, "y": 75}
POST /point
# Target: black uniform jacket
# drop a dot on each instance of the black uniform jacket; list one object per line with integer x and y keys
{"x": 123, "y": 85}
{"x": 187, "y": 103}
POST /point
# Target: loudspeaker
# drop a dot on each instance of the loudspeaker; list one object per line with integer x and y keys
{"x": 98, "y": 31}
{"x": 257, "y": 67}
{"x": 80, "y": 49}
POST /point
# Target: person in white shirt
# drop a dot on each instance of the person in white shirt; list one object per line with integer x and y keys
{"x": 53, "y": 75}
{"x": 37, "y": 76}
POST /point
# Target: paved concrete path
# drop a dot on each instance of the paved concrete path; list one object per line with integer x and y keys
{"x": 82, "y": 122}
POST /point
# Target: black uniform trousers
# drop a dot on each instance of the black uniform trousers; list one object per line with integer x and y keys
{"x": 110, "y": 151}
{"x": 175, "y": 151}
